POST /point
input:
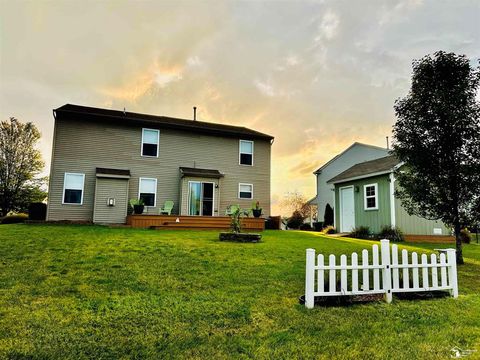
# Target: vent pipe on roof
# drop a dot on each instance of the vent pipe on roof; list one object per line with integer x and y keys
{"x": 194, "y": 113}
{"x": 388, "y": 146}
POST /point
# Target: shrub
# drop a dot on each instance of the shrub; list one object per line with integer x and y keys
{"x": 295, "y": 220}
{"x": 391, "y": 233}
{"x": 306, "y": 227}
{"x": 328, "y": 230}
{"x": 465, "y": 236}
{"x": 14, "y": 219}
{"x": 328, "y": 216}
{"x": 318, "y": 226}
{"x": 360, "y": 232}
{"x": 37, "y": 211}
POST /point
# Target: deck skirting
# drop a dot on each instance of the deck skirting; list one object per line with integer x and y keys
{"x": 192, "y": 222}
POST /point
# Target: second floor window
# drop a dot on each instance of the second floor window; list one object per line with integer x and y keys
{"x": 147, "y": 191}
{"x": 246, "y": 152}
{"x": 150, "y": 138}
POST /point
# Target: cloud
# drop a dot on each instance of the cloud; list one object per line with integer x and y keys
{"x": 328, "y": 26}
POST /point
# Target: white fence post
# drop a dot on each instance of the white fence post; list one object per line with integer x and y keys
{"x": 310, "y": 279}
{"x": 387, "y": 274}
{"x": 452, "y": 272}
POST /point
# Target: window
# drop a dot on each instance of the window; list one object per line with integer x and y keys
{"x": 150, "y": 142}
{"x": 245, "y": 191}
{"x": 147, "y": 191}
{"x": 246, "y": 152}
{"x": 73, "y": 188}
{"x": 370, "y": 196}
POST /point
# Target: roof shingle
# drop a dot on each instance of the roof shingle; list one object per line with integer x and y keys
{"x": 381, "y": 165}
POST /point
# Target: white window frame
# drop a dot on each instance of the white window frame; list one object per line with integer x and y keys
{"x": 158, "y": 143}
{"x": 64, "y": 183}
{"x": 251, "y": 196}
{"x": 370, "y": 196}
{"x": 139, "y": 187}
{"x": 240, "y": 152}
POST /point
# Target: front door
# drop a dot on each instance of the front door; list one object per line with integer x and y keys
{"x": 200, "y": 198}
{"x": 347, "y": 209}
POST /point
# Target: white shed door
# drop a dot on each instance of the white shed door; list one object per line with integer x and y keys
{"x": 347, "y": 210}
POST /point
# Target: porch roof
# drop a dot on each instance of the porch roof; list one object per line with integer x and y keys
{"x": 206, "y": 173}
{"x": 113, "y": 173}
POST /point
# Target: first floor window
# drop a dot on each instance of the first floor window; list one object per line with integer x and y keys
{"x": 246, "y": 152}
{"x": 73, "y": 188}
{"x": 148, "y": 191}
{"x": 150, "y": 139}
{"x": 245, "y": 191}
{"x": 370, "y": 195}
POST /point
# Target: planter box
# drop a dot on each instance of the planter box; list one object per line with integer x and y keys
{"x": 241, "y": 237}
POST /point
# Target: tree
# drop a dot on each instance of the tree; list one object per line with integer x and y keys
{"x": 20, "y": 163}
{"x": 437, "y": 136}
{"x": 328, "y": 216}
{"x": 296, "y": 202}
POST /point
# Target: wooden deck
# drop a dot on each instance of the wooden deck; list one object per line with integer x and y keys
{"x": 192, "y": 222}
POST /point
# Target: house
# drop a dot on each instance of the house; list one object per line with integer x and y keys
{"x": 355, "y": 153}
{"x": 103, "y": 158}
{"x": 365, "y": 196}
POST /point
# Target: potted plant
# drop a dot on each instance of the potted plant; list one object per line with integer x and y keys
{"x": 256, "y": 209}
{"x": 138, "y": 206}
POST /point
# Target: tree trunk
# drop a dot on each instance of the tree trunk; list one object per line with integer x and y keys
{"x": 458, "y": 244}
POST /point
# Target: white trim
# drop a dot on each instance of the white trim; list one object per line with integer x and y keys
{"x": 63, "y": 192}
{"x": 240, "y": 184}
{"x": 334, "y": 208}
{"x": 201, "y": 197}
{"x": 340, "y": 206}
{"x": 365, "y": 197}
{"x": 158, "y": 143}
{"x": 392, "y": 200}
{"x": 139, "y": 186}
{"x": 240, "y": 153}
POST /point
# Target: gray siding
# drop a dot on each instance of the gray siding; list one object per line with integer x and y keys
{"x": 110, "y": 188}
{"x": 82, "y": 146}
{"x": 356, "y": 154}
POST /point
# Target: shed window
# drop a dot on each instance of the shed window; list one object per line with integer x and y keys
{"x": 371, "y": 196}
{"x": 245, "y": 191}
{"x": 150, "y": 139}
{"x": 246, "y": 152}
{"x": 73, "y": 188}
{"x": 148, "y": 191}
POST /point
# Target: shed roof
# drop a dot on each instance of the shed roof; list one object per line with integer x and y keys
{"x": 366, "y": 169}
{"x": 78, "y": 112}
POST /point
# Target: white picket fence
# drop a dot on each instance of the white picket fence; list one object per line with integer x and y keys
{"x": 385, "y": 271}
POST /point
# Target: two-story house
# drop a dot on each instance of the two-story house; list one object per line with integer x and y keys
{"x": 103, "y": 158}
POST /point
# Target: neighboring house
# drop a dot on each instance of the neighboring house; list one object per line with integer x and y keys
{"x": 355, "y": 153}
{"x": 103, "y": 158}
{"x": 365, "y": 196}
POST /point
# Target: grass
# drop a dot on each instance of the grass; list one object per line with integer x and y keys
{"x": 78, "y": 292}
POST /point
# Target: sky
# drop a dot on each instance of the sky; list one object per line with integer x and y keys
{"x": 317, "y": 75}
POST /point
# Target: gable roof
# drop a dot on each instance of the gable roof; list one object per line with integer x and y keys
{"x": 366, "y": 169}
{"x": 78, "y": 112}
{"x": 356, "y": 143}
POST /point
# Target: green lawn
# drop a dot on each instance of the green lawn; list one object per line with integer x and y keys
{"x": 92, "y": 292}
